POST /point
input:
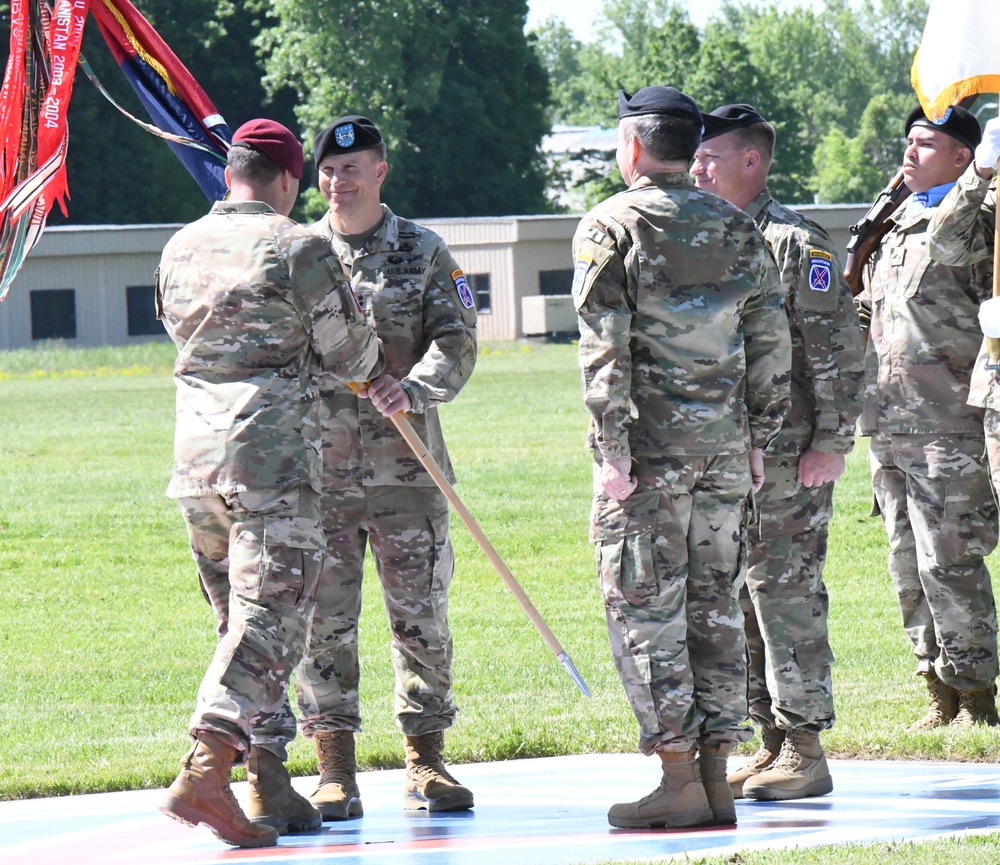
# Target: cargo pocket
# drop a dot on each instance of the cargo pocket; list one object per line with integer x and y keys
{"x": 814, "y": 658}
{"x": 623, "y": 533}
{"x": 970, "y": 517}
{"x": 290, "y": 559}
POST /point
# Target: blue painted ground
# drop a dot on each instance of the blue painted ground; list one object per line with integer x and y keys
{"x": 548, "y": 811}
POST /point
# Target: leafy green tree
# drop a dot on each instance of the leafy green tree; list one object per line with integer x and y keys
{"x": 457, "y": 91}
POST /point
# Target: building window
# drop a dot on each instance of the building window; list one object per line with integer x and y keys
{"x": 140, "y": 301}
{"x": 555, "y": 281}
{"x": 53, "y": 313}
{"x": 480, "y": 285}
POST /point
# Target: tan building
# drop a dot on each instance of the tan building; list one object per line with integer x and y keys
{"x": 93, "y": 285}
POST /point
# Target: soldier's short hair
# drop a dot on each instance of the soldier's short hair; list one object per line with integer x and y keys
{"x": 758, "y": 136}
{"x": 252, "y": 166}
{"x": 665, "y": 138}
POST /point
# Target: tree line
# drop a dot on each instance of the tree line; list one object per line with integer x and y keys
{"x": 464, "y": 96}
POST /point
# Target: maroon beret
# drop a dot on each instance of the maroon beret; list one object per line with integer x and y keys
{"x": 275, "y": 141}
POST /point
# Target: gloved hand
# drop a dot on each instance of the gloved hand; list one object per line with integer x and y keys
{"x": 989, "y": 317}
{"x": 988, "y": 151}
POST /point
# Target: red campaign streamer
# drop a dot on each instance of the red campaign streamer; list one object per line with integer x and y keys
{"x": 65, "y": 36}
{"x": 12, "y": 96}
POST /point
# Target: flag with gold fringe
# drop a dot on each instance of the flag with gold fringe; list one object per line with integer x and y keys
{"x": 38, "y": 82}
{"x": 958, "y": 55}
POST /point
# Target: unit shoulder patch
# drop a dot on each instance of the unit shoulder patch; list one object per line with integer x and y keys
{"x": 820, "y": 269}
{"x": 462, "y": 287}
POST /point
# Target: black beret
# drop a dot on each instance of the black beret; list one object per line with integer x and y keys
{"x": 658, "y": 100}
{"x": 960, "y": 124}
{"x": 726, "y": 118}
{"x": 347, "y": 135}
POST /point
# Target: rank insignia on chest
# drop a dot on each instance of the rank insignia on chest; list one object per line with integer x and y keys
{"x": 462, "y": 287}
{"x": 897, "y": 255}
{"x": 820, "y": 269}
{"x": 580, "y": 273}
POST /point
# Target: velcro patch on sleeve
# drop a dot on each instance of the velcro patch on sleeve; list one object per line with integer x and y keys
{"x": 820, "y": 270}
{"x": 583, "y": 264}
{"x": 462, "y": 287}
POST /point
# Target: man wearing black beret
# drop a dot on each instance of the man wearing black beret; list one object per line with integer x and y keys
{"x": 784, "y": 600}
{"x": 929, "y": 470}
{"x": 685, "y": 352}
{"x": 375, "y": 492}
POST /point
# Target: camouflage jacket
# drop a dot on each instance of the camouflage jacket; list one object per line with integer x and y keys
{"x": 828, "y": 367}
{"x": 924, "y": 335}
{"x": 256, "y": 306}
{"x": 684, "y": 343}
{"x": 417, "y": 298}
{"x": 961, "y": 234}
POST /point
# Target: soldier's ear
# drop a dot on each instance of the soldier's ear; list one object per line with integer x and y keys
{"x": 229, "y": 178}
{"x": 753, "y": 158}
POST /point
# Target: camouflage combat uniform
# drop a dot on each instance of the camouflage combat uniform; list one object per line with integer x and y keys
{"x": 785, "y": 600}
{"x": 685, "y": 356}
{"x": 929, "y": 471}
{"x": 257, "y": 306}
{"x": 375, "y": 492}
{"x": 961, "y": 234}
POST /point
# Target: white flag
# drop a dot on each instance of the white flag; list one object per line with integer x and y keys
{"x": 959, "y": 54}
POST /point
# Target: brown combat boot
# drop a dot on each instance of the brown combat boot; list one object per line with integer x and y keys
{"x": 771, "y": 740}
{"x": 712, "y": 759}
{"x": 201, "y": 795}
{"x": 799, "y": 771}
{"x": 977, "y": 707}
{"x": 273, "y": 802}
{"x": 337, "y": 795}
{"x": 428, "y": 784}
{"x": 680, "y": 800}
{"x": 943, "y": 705}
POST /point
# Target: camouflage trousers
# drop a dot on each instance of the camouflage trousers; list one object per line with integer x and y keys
{"x": 259, "y": 556}
{"x": 407, "y": 529}
{"x": 785, "y": 602}
{"x": 934, "y": 495}
{"x": 671, "y": 559}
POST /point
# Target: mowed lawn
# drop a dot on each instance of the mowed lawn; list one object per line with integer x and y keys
{"x": 104, "y": 634}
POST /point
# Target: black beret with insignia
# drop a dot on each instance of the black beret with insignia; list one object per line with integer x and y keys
{"x": 658, "y": 100}
{"x": 726, "y": 118}
{"x": 960, "y": 124}
{"x": 347, "y": 135}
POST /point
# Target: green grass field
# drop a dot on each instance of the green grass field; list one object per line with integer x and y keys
{"x": 105, "y": 636}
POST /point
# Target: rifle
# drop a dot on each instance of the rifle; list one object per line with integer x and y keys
{"x": 867, "y": 233}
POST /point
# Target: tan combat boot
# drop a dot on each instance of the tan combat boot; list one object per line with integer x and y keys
{"x": 201, "y": 795}
{"x": 712, "y": 759}
{"x": 337, "y": 795}
{"x": 428, "y": 784}
{"x": 799, "y": 771}
{"x": 680, "y": 800}
{"x": 977, "y": 707}
{"x": 771, "y": 740}
{"x": 943, "y": 705}
{"x": 273, "y": 802}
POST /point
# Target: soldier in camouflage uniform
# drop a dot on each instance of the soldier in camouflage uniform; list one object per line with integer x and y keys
{"x": 929, "y": 471}
{"x": 785, "y": 601}
{"x": 257, "y": 307}
{"x": 685, "y": 353}
{"x": 375, "y": 491}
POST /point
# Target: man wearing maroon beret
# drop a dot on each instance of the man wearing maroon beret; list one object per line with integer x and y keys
{"x": 258, "y": 307}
